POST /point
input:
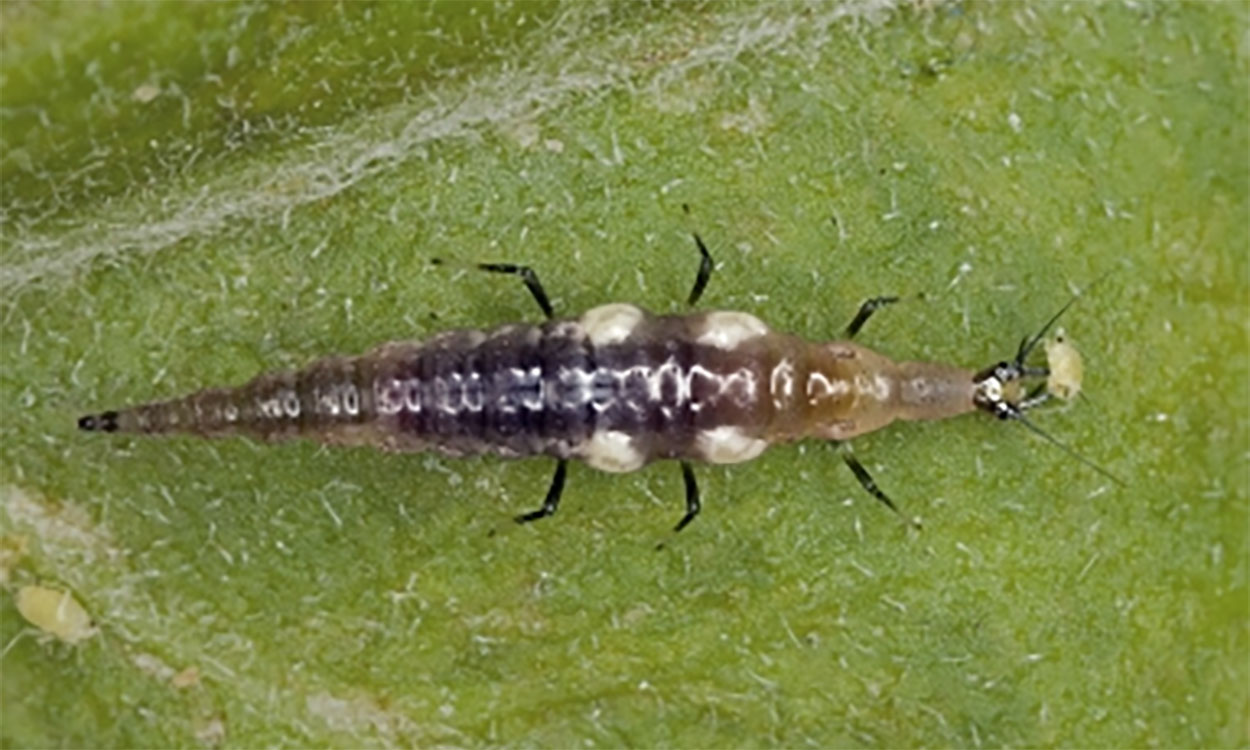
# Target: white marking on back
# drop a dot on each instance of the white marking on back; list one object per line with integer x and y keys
{"x": 412, "y": 395}
{"x": 612, "y": 451}
{"x": 351, "y": 399}
{"x": 270, "y": 407}
{"x": 781, "y": 383}
{"x": 728, "y": 445}
{"x": 388, "y": 396}
{"x": 290, "y": 404}
{"x": 330, "y": 402}
{"x": 610, "y": 324}
{"x": 726, "y": 330}
{"x": 876, "y": 387}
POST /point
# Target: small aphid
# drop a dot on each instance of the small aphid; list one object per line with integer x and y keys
{"x": 617, "y": 388}
{"x": 55, "y": 612}
{"x": 1065, "y": 365}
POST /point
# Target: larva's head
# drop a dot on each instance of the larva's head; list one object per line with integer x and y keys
{"x": 997, "y": 390}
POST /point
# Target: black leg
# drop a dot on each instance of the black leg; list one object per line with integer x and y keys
{"x": 553, "y": 496}
{"x": 705, "y": 271}
{"x": 865, "y": 481}
{"x": 692, "y": 496}
{"x": 865, "y": 312}
{"x": 528, "y": 276}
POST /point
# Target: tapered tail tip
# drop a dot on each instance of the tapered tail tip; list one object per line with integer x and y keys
{"x": 105, "y": 422}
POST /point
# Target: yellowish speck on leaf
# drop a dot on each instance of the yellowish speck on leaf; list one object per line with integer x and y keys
{"x": 55, "y": 612}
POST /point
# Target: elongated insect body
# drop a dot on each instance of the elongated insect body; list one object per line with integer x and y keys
{"x": 616, "y": 388}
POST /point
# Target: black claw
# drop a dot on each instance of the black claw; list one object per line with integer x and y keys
{"x": 106, "y": 422}
{"x": 552, "y": 501}
{"x": 531, "y": 516}
{"x": 866, "y": 481}
{"x": 706, "y": 266}
{"x": 865, "y": 312}
{"x": 528, "y": 276}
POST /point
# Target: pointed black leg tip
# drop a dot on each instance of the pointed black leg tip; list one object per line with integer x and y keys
{"x": 103, "y": 423}
{"x": 531, "y": 516}
{"x": 106, "y": 422}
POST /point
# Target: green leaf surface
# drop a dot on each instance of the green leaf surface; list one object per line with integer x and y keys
{"x": 196, "y": 193}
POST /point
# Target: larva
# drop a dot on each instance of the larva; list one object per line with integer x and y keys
{"x": 616, "y": 387}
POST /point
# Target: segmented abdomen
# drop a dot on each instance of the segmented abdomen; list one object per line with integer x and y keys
{"x": 616, "y": 387}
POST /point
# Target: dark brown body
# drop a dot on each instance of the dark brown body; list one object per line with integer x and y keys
{"x": 617, "y": 388}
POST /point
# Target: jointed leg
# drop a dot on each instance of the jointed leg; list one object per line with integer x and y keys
{"x": 705, "y": 271}
{"x": 692, "y": 496}
{"x": 865, "y": 481}
{"x": 553, "y": 495}
{"x": 865, "y": 312}
{"x": 528, "y": 276}
{"x": 1035, "y": 398}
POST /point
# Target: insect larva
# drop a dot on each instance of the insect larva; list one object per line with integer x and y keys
{"x": 617, "y": 388}
{"x": 55, "y": 612}
{"x": 1065, "y": 365}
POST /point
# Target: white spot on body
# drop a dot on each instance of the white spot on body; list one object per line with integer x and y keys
{"x": 443, "y": 388}
{"x": 573, "y": 387}
{"x": 290, "y": 404}
{"x": 412, "y": 395}
{"x": 728, "y": 445}
{"x": 781, "y": 383}
{"x": 877, "y": 387}
{"x": 328, "y": 401}
{"x": 611, "y": 451}
{"x": 270, "y": 407}
{"x": 726, "y": 330}
{"x": 611, "y": 324}
{"x": 388, "y": 394}
{"x": 820, "y": 387}
{"x": 351, "y": 400}
{"x": 474, "y": 392}
{"x": 529, "y": 384}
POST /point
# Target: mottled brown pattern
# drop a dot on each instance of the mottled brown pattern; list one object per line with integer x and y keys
{"x": 524, "y": 390}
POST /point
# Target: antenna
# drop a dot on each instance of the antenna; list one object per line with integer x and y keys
{"x": 1027, "y": 344}
{"x": 1019, "y": 417}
